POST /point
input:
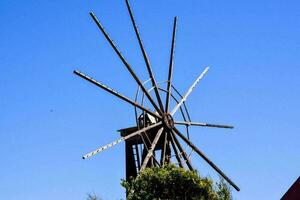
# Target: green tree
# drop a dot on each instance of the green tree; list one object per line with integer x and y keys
{"x": 174, "y": 183}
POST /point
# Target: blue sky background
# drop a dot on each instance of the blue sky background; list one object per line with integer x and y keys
{"x": 49, "y": 118}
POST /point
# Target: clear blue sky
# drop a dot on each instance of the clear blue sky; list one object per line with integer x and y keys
{"x": 49, "y": 118}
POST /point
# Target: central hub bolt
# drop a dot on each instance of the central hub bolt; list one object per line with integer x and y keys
{"x": 168, "y": 121}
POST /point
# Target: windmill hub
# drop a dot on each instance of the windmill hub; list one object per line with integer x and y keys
{"x": 168, "y": 121}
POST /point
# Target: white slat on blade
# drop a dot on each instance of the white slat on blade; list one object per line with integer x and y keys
{"x": 189, "y": 91}
{"x": 120, "y": 140}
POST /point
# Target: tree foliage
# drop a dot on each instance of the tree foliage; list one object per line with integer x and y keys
{"x": 171, "y": 182}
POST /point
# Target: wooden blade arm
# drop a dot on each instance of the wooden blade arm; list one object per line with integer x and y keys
{"x": 184, "y": 155}
{"x": 120, "y": 140}
{"x": 146, "y": 59}
{"x": 170, "y": 76}
{"x": 138, "y": 81}
{"x": 202, "y": 124}
{"x": 189, "y": 91}
{"x": 150, "y": 151}
{"x": 106, "y": 88}
{"x": 200, "y": 153}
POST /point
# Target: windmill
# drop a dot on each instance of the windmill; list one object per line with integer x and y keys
{"x": 154, "y": 140}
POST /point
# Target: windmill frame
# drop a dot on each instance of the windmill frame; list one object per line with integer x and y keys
{"x": 160, "y": 127}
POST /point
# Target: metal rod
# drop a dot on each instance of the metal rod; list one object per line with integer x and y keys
{"x": 202, "y": 124}
{"x": 163, "y": 151}
{"x": 206, "y": 159}
{"x": 189, "y": 91}
{"x": 136, "y": 99}
{"x": 187, "y": 160}
{"x": 170, "y": 76}
{"x": 146, "y": 59}
{"x": 120, "y": 140}
{"x": 185, "y": 108}
{"x": 150, "y": 151}
{"x": 90, "y": 79}
{"x": 177, "y": 154}
{"x": 181, "y": 110}
{"x": 125, "y": 63}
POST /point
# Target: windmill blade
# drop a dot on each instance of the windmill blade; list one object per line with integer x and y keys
{"x": 206, "y": 159}
{"x": 120, "y": 140}
{"x": 90, "y": 79}
{"x": 138, "y": 81}
{"x": 189, "y": 91}
{"x": 202, "y": 124}
{"x": 170, "y": 76}
{"x": 187, "y": 160}
{"x": 150, "y": 151}
{"x": 146, "y": 59}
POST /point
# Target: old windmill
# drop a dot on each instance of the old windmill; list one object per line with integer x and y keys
{"x": 154, "y": 139}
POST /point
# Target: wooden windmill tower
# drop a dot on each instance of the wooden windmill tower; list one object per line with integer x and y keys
{"x": 154, "y": 140}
